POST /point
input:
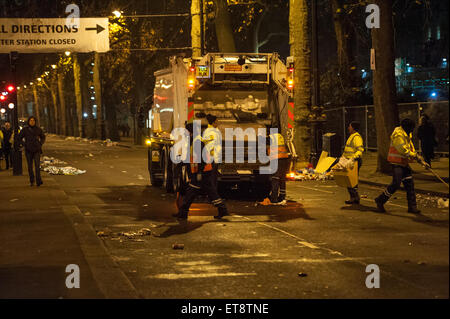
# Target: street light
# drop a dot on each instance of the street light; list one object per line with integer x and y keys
{"x": 2, "y": 111}
{"x": 11, "y": 106}
{"x": 53, "y": 66}
{"x": 117, "y": 13}
{"x": 67, "y": 53}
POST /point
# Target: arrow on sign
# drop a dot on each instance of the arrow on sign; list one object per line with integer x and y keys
{"x": 99, "y": 29}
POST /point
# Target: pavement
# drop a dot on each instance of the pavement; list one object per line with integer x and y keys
{"x": 315, "y": 247}
{"x": 424, "y": 181}
{"x": 41, "y": 233}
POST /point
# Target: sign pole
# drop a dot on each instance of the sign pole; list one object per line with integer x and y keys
{"x": 17, "y": 153}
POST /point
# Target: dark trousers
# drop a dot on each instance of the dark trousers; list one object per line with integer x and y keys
{"x": 8, "y": 159}
{"x": 278, "y": 181}
{"x": 353, "y": 191}
{"x": 427, "y": 152}
{"x": 207, "y": 184}
{"x": 34, "y": 159}
{"x": 401, "y": 174}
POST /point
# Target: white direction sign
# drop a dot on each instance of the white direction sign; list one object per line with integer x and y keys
{"x": 53, "y": 35}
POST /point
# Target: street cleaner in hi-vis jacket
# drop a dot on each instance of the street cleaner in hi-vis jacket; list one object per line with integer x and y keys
{"x": 353, "y": 151}
{"x": 201, "y": 179}
{"x": 401, "y": 153}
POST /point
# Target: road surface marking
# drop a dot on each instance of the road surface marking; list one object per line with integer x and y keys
{"x": 304, "y": 243}
{"x": 299, "y": 240}
{"x": 194, "y": 276}
{"x": 370, "y": 200}
{"x": 333, "y": 252}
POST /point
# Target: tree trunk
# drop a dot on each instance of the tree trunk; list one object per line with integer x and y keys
{"x": 344, "y": 38}
{"x": 54, "y": 93}
{"x": 36, "y": 108}
{"x": 62, "y": 103}
{"x": 111, "y": 122}
{"x": 196, "y": 29}
{"x": 78, "y": 96}
{"x": 256, "y": 43}
{"x": 300, "y": 50}
{"x": 384, "y": 89}
{"x": 98, "y": 97}
{"x": 224, "y": 31}
{"x": 139, "y": 92}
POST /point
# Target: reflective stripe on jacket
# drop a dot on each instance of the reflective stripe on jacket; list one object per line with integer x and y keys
{"x": 354, "y": 147}
{"x": 277, "y": 148}
{"x": 401, "y": 148}
{"x": 195, "y": 166}
{"x": 212, "y": 139}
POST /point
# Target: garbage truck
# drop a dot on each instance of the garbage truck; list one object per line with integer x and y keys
{"x": 244, "y": 90}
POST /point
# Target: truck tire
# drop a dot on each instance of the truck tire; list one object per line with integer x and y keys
{"x": 168, "y": 172}
{"x": 155, "y": 181}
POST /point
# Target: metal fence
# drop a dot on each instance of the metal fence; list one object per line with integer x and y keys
{"x": 339, "y": 118}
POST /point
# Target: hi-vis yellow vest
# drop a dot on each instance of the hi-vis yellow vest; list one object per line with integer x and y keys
{"x": 211, "y": 138}
{"x": 194, "y": 164}
{"x": 277, "y": 147}
{"x": 401, "y": 148}
{"x": 354, "y": 146}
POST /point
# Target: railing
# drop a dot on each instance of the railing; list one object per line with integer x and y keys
{"x": 438, "y": 111}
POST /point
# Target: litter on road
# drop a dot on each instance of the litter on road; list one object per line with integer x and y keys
{"x": 178, "y": 246}
{"x": 67, "y": 170}
{"x": 442, "y": 203}
{"x": 45, "y": 161}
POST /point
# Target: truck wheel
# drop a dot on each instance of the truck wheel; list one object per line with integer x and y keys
{"x": 168, "y": 173}
{"x": 155, "y": 181}
{"x": 262, "y": 188}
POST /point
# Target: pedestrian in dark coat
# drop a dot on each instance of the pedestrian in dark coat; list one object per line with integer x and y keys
{"x": 6, "y": 146}
{"x": 427, "y": 136}
{"x": 34, "y": 139}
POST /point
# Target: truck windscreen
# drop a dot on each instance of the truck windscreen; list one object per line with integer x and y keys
{"x": 233, "y": 105}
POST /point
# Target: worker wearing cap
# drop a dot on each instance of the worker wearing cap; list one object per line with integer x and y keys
{"x": 401, "y": 153}
{"x": 353, "y": 151}
{"x": 201, "y": 178}
{"x": 278, "y": 151}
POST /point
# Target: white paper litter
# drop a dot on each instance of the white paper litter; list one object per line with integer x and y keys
{"x": 442, "y": 203}
{"x": 45, "y": 161}
{"x": 344, "y": 163}
{"x": 66, "y": 170}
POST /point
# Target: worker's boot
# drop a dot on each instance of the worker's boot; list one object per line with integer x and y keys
{"x": 411, "y": 195}
{"x": 180, "y": 216}
{"x": 380, "y": 201}
{"x": 354, "y": 196}
{"x": 222, "y": 209}
{"x": 413, "y": 210}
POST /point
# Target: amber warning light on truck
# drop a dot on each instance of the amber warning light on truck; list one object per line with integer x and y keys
{"x": 290, "y": 78}
{"x": 191, "y": 78}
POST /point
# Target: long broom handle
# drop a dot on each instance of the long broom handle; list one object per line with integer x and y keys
{"x": 435, "y": 174}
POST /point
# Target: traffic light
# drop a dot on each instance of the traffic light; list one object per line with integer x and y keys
{"x": 11, "y": 88}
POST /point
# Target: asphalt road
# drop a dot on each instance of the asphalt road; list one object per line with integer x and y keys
{"x": 257, "y": 252}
